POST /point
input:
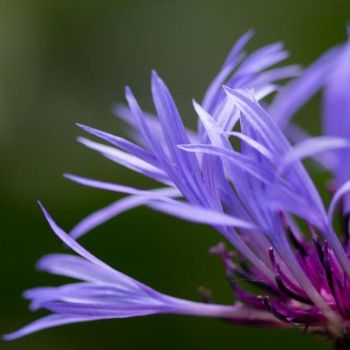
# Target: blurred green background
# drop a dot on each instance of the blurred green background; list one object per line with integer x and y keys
{"x": 63, "y": 62}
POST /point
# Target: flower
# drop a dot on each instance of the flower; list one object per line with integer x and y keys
{"x": 251, "y": 193}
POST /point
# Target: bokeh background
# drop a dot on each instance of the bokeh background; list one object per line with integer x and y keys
{"x": 67, "y": 61}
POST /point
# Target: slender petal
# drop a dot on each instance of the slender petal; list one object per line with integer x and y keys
{"x": 107, "y": 293}
{"x": 300, "y": 90}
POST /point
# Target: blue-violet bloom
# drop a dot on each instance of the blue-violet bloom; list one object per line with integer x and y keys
{"x": 255, "y": 192}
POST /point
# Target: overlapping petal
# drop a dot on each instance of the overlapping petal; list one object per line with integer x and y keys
{"x": 105, "y": 293}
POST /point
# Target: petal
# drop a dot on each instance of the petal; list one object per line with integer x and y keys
{"x": 263, "y": 58}
{"x": 125, "y": 113}
{"x": 343, "y": 190}
{"x": 336, "y": 111}
{"x": 77, "y": 248}
{"x": 296, "y": 134}
{"x": 109, "y": 186}
{"x": 93, "y": 310}
{"x": 77, "y": 267}
{"x": 103, "y": 215}
{"x": 273, "y": 138}
{"x": 231, "y": 62}
{"x": 311, "y": 147}
{"x": 152, "y": 140}
{"x": 125, "y": 145}
{"x": 198, "y": 214}
{"x": 236, "y": 314}
{"x": 108, "y": 298}
{"x": 243, "y": 162}
{"x": 277, "y": 74}
{"x": 252, "y": 143}
{"x": 300, "y": 90}
{"x": 127, "y": 160}
{"x": 49, "y": 322}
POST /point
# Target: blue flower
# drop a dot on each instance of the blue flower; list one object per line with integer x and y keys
{"x": 250, "y": 191}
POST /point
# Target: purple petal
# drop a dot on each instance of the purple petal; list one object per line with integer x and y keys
{"x": 80, "y": 268}
{"x": 49, "y": 322}
{"x": 252, "y": 143}
{"x": 197, "y": 214}
{"x": 277, "y": 74}
{"x": 108, "y": 186}
{"x": 311, "y": 147}
{"x": 300, "y": 90}
{"x": 343, "y": 190}
{"x": 77, "y": 248}
{"x": 263, "y": 58}
{"x": 103, "y": 215}
{"x": 336, "y": 112}
{"x": 243, "y": 162}
{"x": 231, "y": 62}
{"x": 125, "y": 145}
{"x": 125, "y": 159}
{"x": 152, "y": 140}
{"x": 296, "y": 134}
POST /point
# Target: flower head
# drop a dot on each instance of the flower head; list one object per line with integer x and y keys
{"x": 255, "y": 192}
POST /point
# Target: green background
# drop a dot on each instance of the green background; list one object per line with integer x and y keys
{"x": 63, "y": 62}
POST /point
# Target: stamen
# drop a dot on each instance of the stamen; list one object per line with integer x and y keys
{"x": 257, "y": 283}
{"x": 318, "y": 245}
{"x": 290, "y": 293}
{"x": 295, "y": 242}
{"x": 328, "y": 268}
{"x": 270, "y": 307}
{"x": 281, "y": 285}
{"x": 292, "y": 235}
{"x": 329, "y": 275}
{"x": 272, "y": 258}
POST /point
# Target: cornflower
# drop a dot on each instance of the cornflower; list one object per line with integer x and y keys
{"x": 255, "y": 192}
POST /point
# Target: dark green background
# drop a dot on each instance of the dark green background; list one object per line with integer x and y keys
{"x": 63, "y": 62}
